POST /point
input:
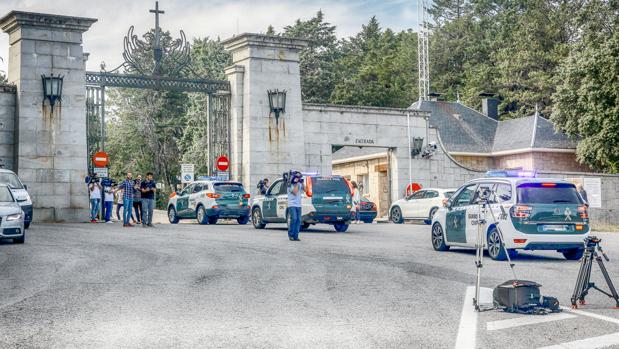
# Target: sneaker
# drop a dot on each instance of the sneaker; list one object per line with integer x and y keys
{"x": 297, "y": 239}
{"x": 150, "y": 225}
{"x": 109, "y": 222}
{"x": 130, "y": 225}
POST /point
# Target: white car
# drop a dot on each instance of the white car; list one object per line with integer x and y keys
{"x": 422, "y": 204}
{"x": 20, "y": 192}
{"x": 11, "y": 217}
{"x": 527, "y": 213}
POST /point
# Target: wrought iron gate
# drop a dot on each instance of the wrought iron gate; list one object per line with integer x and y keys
{"x": 135, "y": 72}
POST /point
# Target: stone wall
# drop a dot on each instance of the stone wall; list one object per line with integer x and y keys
{"x": 475, "y": 162}
{"x": 558, "y": 162}
{"x": 7, "y": 126}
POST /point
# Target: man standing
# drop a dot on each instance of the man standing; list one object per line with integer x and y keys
{"x": 295, "y": 189}
{"x": 94, "y": 189}
{"x": 137, "y": 199}
{"x": 127, "y": 187}
{"x": 148, "y": 189}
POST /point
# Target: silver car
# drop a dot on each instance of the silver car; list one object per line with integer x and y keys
{"x": 11, "y": 217}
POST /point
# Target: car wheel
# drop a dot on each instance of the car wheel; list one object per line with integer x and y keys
{"x": 27, "y": 225}
{"x": 396, "y": 215}
{"x": 495, "y": 246}
{"x": 243, "y": 220}
{"x": 438, "y": 238}
{"x": 172, "y": 216}
{"x": 340, "y": 227}
{"x": 305, "y": 226}
{"x": 573, "y": 254}
{"x": 212, "y": 220}
{"x": 20, "y": 240}
{"x": 256, "y": 219}
{"x": 201, "y": 215}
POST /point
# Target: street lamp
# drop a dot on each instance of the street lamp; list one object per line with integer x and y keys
{"x": 277, "y": 102}
{"x": 52, "y": 89}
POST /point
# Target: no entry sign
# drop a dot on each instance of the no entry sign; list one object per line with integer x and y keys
{"x": 223, "y": 163}
{"x": 100, "y": 159}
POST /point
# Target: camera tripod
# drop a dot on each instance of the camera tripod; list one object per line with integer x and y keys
{"x": 483, "y": 208}
{"x": 583, "y": 282}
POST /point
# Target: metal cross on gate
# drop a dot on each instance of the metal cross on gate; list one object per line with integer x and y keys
{"x": 157, "y": 51}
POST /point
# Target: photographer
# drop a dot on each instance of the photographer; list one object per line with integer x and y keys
{"x": 263, "y": 186}
{"x": 148, "y": 189}
{"x": 94, "y": 191}
{"x": 295, "y": 191}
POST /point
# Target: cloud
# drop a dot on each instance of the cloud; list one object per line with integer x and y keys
{"x": 200, "y": 18}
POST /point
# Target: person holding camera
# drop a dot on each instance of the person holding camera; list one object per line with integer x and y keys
{"x": 263, "y": 186}
{"x": 148, "y": 189}
{"x": 108, "y": 202}
{"x": 94, "y": 190}
{"x": 295, "y": 191}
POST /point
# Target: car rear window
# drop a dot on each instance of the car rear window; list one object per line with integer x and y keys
{"x": 448, "y": 194}
{"x": 228, "y": 187}
{"x": 324, "y": 185}
{"x": 547, "y": 193}
{"x": 11, "y": 180}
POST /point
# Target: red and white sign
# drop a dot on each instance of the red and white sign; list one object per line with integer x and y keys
{"x": 223, "y": 163}
{"x": 100, "y": 159}
{"x": 411, "y": 188}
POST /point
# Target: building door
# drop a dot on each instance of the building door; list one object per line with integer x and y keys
{"x": 383, "y": 194}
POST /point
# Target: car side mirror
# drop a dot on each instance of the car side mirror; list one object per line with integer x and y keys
{"x": 447, "y": 204}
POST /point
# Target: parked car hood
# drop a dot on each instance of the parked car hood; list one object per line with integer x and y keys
{"x": 7, "y": 208}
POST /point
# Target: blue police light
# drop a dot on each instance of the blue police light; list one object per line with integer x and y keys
{"x": 512, "y": 173}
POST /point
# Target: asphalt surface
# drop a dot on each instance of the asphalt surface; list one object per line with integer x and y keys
{"x": 231, "y": 286}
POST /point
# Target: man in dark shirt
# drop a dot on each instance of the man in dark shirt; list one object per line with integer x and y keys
{"x": 148, "y": 189}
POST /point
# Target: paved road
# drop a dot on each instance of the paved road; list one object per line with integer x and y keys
{"x": 230, "y": 286}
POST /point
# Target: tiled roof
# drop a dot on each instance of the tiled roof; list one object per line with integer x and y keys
{"x": 463, "y": 129}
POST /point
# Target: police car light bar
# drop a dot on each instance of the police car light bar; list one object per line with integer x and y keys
{"x": 512, "y": 173}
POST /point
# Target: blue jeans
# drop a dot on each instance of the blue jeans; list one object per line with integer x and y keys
{"x": 94, "y": 208}
{"x": 127, "y": 205}
{"x": 108, "y": 206}
{"x": 295, "y": 222}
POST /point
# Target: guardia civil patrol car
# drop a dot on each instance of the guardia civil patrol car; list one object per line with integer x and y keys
{"x": 208, "y": 200}
{"x": 531, "y": 214}
{"x": 328, "y": 200}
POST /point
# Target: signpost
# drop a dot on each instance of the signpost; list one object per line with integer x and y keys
{"x": 101, "y": 172}
{"x": 187, "y": 173}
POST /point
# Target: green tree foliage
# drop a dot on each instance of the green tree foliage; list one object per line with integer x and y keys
{"x": 586, "y": 102}
{"x": 317, "y": 61}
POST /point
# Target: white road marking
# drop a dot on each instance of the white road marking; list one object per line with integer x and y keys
{"x": 467, "y": 331}
{"x": 589, "y": 343}
{"x": 526, "y": 320}
{"x": 593, "y": 315}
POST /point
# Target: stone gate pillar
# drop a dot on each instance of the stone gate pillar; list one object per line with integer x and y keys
{"x": 50, "y": 149}
{"x": 260, "y": 146}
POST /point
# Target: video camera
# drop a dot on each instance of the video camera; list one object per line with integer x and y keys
{"x": 292, "y": 177}
{"x": 93, "y": 178}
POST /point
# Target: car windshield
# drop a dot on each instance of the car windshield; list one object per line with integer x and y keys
{"x": 548, "y": 193}
{"x": 11, "y": 180}
{"x": 326, "y": 185}
{"x": 5, "y": 194}
{"x": 228, "y": 187}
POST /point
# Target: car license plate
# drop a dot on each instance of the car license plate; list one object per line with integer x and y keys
{"x": 556, "y": 227}
{"x": 339, "y": 218}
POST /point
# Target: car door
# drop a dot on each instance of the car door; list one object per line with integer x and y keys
{"x": 411, "y": 206}
{"x": 182, "y": 203}
{"x": 194, "y": 199}
{"x": 269, "y": 205}
{"x": 282, "y": 202}
{"x": 455, "y": 219}
{"x": 430, "y": 199}
{"x": 475, "y": 209}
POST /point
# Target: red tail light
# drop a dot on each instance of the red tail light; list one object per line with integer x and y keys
{"x": 373, "y": 208}
{"x": 520, "y": 211}
{"x": 308, "y": 186}
{"x": 213, "y": 195}
{"x": 583, "y": 212}
{"x": 246, "y": 196}
{"x": 520, "y": 241}
{"x": 549, "y": 184}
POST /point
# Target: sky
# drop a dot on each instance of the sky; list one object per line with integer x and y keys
{"x": 212, "y": 18}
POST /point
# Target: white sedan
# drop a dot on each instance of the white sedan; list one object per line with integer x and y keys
{"x": 421, "y": 205}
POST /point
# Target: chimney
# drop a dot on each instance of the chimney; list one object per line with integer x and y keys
{"x": 433, "y": 96}
{"x": 489, "y": 105}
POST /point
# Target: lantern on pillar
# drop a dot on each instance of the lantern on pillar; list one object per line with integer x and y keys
{"x": 52, "y": 89}
{"x": 277, "y": 102}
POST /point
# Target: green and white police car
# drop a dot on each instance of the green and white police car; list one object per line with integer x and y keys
{"x": 328, "y": 200}
{"x": 532, "y": 214}
{"x": 208, "y": 200}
